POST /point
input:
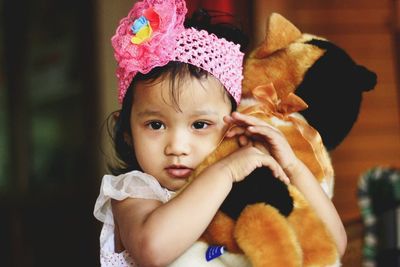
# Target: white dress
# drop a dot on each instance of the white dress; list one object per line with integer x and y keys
{"x": 137, "y": 184}
{"x": 134, "y": 184}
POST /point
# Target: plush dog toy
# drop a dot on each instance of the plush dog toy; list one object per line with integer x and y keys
{"x": 317, "y": 70}
{"x": 264, "y": 222}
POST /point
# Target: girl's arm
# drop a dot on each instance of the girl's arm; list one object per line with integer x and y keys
{"x": 298, "y": 173}
{"x": 155, "y": 234}
{"x": 304, "y": 180}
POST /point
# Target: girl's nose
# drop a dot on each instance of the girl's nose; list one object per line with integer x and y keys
{"x": 178, "y": 144}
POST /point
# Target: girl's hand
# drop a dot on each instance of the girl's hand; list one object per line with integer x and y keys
{"x": 254, "y": 129}
{"x": 245, "y": 160}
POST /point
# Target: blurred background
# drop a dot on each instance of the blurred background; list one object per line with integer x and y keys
{"x": 57, "y": 87}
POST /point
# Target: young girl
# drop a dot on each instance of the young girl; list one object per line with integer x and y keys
{"x": 178, "y": 88}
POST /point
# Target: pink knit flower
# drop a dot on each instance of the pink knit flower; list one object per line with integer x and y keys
{"x": 165, "y": 19}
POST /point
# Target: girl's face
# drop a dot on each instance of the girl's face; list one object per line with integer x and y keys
{"x": 169, "y": 141}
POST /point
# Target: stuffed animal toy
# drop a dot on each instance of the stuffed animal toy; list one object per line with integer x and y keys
{"x": 317, "y": 70}
{"x": 264, "y": 222}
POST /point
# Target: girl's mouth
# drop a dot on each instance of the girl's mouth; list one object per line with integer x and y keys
{"x": 179, "y": 171}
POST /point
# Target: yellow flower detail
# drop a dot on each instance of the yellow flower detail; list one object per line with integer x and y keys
{"x": 142, "y": 35}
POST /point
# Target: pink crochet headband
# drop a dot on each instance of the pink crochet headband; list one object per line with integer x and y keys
{"x": 153, "y": 34}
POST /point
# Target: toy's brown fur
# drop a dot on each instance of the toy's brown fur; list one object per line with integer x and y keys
{"x": 264, "y": 235}
{"x": 263, "y": 232}
{"x": 315, "y": 240}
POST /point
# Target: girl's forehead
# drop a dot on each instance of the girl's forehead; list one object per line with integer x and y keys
{"x": 184, "y": 89}
{"x": 192, "y": 96}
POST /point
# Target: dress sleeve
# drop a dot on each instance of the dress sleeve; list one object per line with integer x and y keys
{"x": 134, "y": 184}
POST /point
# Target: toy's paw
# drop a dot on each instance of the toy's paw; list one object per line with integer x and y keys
{"x": 220, "y": 232}
{"x": 266, "y": 237}
{"x": 318, "y": 245}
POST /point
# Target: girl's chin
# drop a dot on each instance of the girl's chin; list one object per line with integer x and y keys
{"x": 176, "y": 184}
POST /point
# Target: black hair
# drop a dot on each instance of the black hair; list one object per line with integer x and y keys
{"x": 119, "y": 121}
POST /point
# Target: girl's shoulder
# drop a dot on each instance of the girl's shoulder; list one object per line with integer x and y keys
{"x": 134, "y": 184}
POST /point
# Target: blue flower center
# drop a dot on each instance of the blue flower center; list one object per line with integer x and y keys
{"x": 138, "y": 24}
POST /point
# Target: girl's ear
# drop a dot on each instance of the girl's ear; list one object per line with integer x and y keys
{"x": 279, "y": 34}
{"x": 116, "y": 115}
{"x": 128, "y": 139}
{"x": 125, "y": 134}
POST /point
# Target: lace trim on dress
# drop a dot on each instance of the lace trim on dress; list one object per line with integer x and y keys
{"x": 133, "y": 184}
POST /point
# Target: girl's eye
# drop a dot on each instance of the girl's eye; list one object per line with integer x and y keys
{"x": 156, "y": 125}
{"x": 200, "y": 125}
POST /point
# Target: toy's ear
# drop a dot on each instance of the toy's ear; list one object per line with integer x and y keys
{"x": 333, "y": 88}
{"x": 365, "y": 79}
{"x": 279, "y": 33}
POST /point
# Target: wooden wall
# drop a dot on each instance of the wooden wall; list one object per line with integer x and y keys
{"x": 108, "y": 15}
{"x": 365, "y": 29}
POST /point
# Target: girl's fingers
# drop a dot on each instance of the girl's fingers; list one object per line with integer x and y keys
{"x": 266, "y": 130}
{"x": 276, "y": 169}
{"x": 280, "y": 174}
{"x": 249, "y": 125}
{"x": 228, "y": 119}
{"x": 246, "y": 119}
{"x": 262, "y": 148}
{"x": 283, "y": 177}
{"x": 251, "y": 130}
{"x": 253, "y": 124}
{"x": 243, "y": 141}
{"x": 235, "y": 131}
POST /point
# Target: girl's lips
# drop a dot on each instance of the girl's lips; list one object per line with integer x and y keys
{"x": 179, "y": 172}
